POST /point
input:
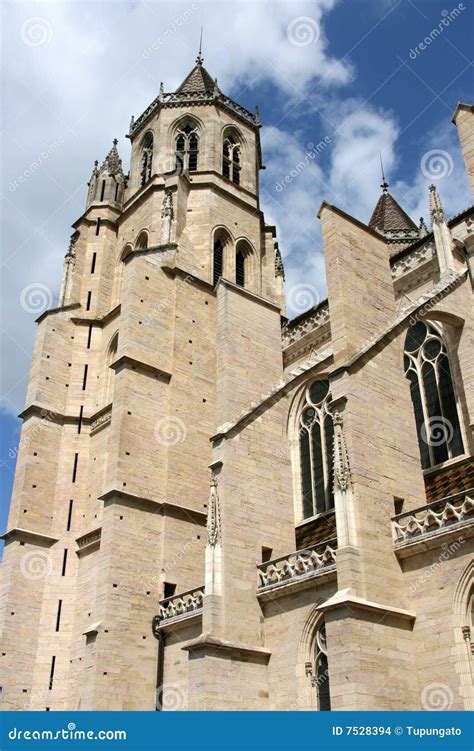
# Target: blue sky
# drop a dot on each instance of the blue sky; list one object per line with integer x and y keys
{"x": 350, "y": 75}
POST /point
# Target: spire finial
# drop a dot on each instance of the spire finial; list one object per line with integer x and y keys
{"x": 384, "y": 184}
{"x": 200, "y": 59}
{"x": 115, "y": 141}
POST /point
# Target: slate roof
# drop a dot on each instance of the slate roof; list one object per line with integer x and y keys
{"x": 199, "y": 80}
{"x": 388, "y": 216}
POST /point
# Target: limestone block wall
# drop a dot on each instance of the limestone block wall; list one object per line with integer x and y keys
{"x": 371, "y": 657}
{"x": 360, "y": 288}
{"x": 432, "y": 578}
{"x": 249, "y": 345}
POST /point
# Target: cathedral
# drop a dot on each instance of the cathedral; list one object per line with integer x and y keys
{"x": 219, "y": 508}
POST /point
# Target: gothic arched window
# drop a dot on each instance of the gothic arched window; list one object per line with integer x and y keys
{"x": 142, "y": 241}
{"x": 146, "y": 158}
{"x": 218, "y": 261}
{"x": 187, "y": 148}
{"x": 231, "y": 159}
{"x": 321, "y": 670}
{"x": 431, "y": 385}
{"x": 316, "y": 444}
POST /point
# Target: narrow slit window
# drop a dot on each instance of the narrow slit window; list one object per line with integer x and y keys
{"x": 51, "y": 672}
{"x": 94, "y": 258}
{"x": 74, "y": 468}
{"x": 58, "y": 615}
{"x": 84, "y": 379}
{"x": 97, "y": 226}
{"x": 69, "y": 515}
{"x": 63, "y": 570}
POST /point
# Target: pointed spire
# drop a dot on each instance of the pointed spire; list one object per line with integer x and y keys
{"x": 213, "y": 515}
{"x": 216, "y": 89}
{"x": 257, "y": 115}
{"x": 132, "y": 123}
{"x": 162, "y": 92}
{"x": 200, "y": 59}
{"x": 436, "y": 207}
{"x": 112, "y": 163}
{"x": 384, "y": 184}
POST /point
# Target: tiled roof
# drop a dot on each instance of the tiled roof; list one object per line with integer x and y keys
{"x": 198, "y": 80}
{"x": 449, "y": 480}
{"x": 388, "y": 216}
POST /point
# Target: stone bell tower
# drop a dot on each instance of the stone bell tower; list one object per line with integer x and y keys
{"x": 172, "y": 287}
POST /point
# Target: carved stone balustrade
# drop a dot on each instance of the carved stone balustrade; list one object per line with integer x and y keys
{"x": 180, "y": 606}
{"x": 448, "y": 514}
{"x": 301, "y": 564}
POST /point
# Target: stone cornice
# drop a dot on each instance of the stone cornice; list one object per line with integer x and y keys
{"x": 47, "y": 413}
{"x": 89, "y": 541}
{"x": 98, "y": 321}
{"x": 345, "y": 598}
{"x": 62, "y": 309}
{"x": 29, "y": 535}
{"x": 211, "y": 644}
{"x": 249, "y": 295}
{"x": 165, "y": 508}
{"x": 130, "y": 363}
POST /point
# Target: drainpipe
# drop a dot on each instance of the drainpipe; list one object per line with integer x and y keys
{"x": 160, "y": 636}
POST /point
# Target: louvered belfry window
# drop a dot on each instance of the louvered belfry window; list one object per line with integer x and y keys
{"x": 187, "y": 149}
{"x": 218, "y": 261}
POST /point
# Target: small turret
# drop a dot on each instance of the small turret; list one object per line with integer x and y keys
{"x": 107, "y": 184}
{"x": 442, "y": 234}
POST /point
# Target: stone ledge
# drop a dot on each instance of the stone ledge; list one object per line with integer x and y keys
{"x": 237, "y": 650}
{"x": 29, "y": 535}
{"x": 61, "y": 309}
{"x": 433, "y": 540}
{"x": 143, "y": 367}
{"x": 154, "y": 507}
{"x": 346, "y": 598}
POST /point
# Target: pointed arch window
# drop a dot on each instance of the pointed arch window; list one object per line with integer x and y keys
{"x": 231, "y": 159}
{"x": 316, "y": 444}
{"x": 142, "y": 241}
{"x": 187, "y": 148}
{"x": 218, "y": 261}
{"x": 146, "y": 158}
{"x": 428, "y": 369}
{"x": 321, "y": 670}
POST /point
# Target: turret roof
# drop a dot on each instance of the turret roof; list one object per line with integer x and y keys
{"x": 388, "y": 215}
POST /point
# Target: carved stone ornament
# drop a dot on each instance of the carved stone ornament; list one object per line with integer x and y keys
{"x": 213, "y": 515}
